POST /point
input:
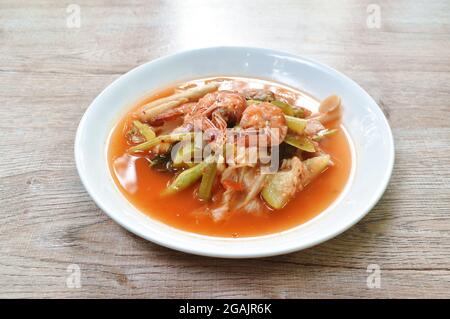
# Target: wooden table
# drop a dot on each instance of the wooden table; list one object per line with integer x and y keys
{"x": 50, "y": 73}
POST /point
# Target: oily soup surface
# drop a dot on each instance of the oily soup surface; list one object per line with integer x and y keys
{"x": 142, "y": 185}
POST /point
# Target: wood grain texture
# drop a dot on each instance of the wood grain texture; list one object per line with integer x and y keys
{"x": 50, "y": 73}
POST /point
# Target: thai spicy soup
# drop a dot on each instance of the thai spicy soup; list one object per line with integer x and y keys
{"x": 231, "y": 157}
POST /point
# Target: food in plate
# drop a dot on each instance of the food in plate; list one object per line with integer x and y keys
{"x": 231, "y": 156}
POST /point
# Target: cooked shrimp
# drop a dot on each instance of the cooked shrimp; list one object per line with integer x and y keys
{"x": 223, "y": 108}
{"x": 265, "y": 117}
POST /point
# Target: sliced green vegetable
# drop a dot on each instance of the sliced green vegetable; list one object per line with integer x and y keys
{"x": 299, "y": 112}
{"x": 132, "y": 131}
{"x": 315, "y": 166}
{"x": 146, "y": 145}
{"x": 209, "y": 174}
{"x": 295, "y": 124}
{"x": 170, "y": 138}
{"x": 185, "y": 179}
{"x": 289, "y": 110}
{"x": 184, "y": 155}
{"x": 275, "y": 191}
{"x": 324, "y": 133}
{"x": 285, "y": 107}
{"x": 281, "y": 186}
{"x": 300, "y": 142}
{"x": 145, "y": 130}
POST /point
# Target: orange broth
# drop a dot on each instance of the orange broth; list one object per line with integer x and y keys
{"x": 142, "y": 185}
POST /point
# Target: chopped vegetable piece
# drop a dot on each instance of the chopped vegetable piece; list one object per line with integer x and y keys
{"x": 145, "y": 130}
{"x": 282, "y": 186}
{"x": 161, "y": 105}
{"x": 183, "y": 155}
{"x": 190, "y": 94}
{"x": 299, "y": 112}
{"x": 133, "y": 136}
{"x": 324, "y": 133}
{"x": 209, "y": 174}
{"x": 285, "y": 107}
{"x": 300, "y": 142}
{"x": 151, "y": 113}
{"x": 315, "y": 166}
{"x": 295, "y": 124}
{"x": 185, "y": 179}
{"x": 170, "y": 138}
{"x": 274, "y": 192}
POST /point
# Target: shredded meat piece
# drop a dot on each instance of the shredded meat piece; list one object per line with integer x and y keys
{"x": 296, "y": 169}
{"x": 253, "y": 187}
{"x": 219, "y": 212}
{"x": 253, "y": 206}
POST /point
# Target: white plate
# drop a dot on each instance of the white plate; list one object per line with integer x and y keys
{"x": 373, "y": 147}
